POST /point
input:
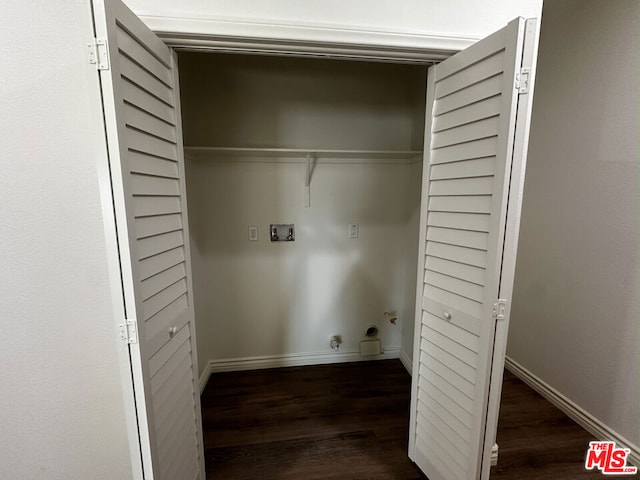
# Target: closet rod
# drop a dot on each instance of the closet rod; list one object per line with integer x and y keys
{"x": 303, "y": 152}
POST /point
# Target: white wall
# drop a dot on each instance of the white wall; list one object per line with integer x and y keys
{"x": 61, "y": 408}
{"x": 260, "y": 101}
{"x": 264, "y": 299}
{"x": 269, "y": 299}
{"x": 574, "y": 321}
{"x": 461, "y": 18}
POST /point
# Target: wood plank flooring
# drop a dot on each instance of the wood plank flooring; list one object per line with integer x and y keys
{"x": 350, "y": 421}
{"x": 342, "y": 421}
{"x": 538, "y": 441}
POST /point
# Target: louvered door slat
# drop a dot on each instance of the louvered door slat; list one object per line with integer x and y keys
{"x": 446, "y": 358}
{"x": 171, "y": 448}
{"x": 454, "y": 458}
{"x": 456, "y": 446}
{"x": 456, "y": 270}
{"x": 469, "y": 75}
{"x": 462, "y": 238}
{"x": 467, "y": 256}
{"x": 465, "y": 289}
{"x": 170, "y": 380}
{"x": 177, "y": 349}
{"x": 485, "y": 147}
{"x": 462, "y": 204}
{"x": 429, "y": 394}
{"x": 467, "y": 326}
{"x": 467, "y": 167}
{"x": 151, "y": 246}
{"x": 162, "y": 280}
{"x": 447, "y": 297}
{"x": 433, "y": 408}
{"x": 180, "y": 465}
{"x": 157, "y": 167}
{"x": 145, "y": 81}
{"x": 157, "y": 327}
{"x": 480, "y": 167}
{"x": 489, "y": 88}
{"x": 462, "y": 186}
{"x": 462, "y": 352}
{"x": 141, "y": 120}
{"x": 476, "y": 222}
{"x": 170, "y": 367}
{"x": 445, "y": 387}
{"x": 134, "y": 49}
{"x": 486, "y": 108}
{"x": 143, "y": 100}
{"x": 436, "y": 457}
{"x": 146, "y": 206}
{"x": 143, "y": 142}
{"x": 170, "y": 423}
{"x": 157, "y": 225}
{"x": 466, "y": 133}
{"x": 162, "y": 299}
{"x": 141, "y": 108}
{"x": 165, "y": 395}
{"x": 154, "y": 186}
{"x": 457, "y": 381}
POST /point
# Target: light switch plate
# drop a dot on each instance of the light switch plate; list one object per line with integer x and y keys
{"x": 353, "y": 230}
{"x": 253, "y": 233}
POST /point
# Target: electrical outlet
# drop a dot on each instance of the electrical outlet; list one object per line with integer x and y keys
{"x": 353, "y": 230}
{"x": 253, "y": 234}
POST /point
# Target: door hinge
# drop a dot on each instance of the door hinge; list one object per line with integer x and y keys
{"x": 128, "y": 331}
{"x": 500, "y": 309}
{"x": 99, "y": 53}
{"x": 522, "y": 80}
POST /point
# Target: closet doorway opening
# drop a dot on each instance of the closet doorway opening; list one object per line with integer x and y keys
{"x": 323, "y": 145}
{"x": 334, "y": 148}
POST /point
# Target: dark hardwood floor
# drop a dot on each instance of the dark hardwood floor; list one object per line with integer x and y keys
{"x": 538, "y": 441}
{"x": 342, "y": 421}
{"x": 350, "y": 421}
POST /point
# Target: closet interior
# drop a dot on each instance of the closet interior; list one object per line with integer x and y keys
{"x": 331, "y": 147}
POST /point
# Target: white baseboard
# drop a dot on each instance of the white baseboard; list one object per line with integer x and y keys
{"x": 289, "y": 360}
{"x": 583, "y": 418}
{"x": 406, "y": 361}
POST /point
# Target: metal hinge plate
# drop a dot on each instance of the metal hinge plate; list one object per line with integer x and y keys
{"x": 128, "y": 331}
{"x": 522, "y": 80}
{"x": 500, "y": 309}
{"x": 99, "y": 53}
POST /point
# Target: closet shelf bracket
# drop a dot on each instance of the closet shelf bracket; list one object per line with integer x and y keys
{"x": 307, "y": 181}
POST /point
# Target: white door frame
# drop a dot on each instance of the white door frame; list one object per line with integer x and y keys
{"x": 230, "y": 35}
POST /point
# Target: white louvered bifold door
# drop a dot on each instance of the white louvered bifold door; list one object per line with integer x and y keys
{"x": 471, "y": 105}
{"x": 142, "y": 117}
